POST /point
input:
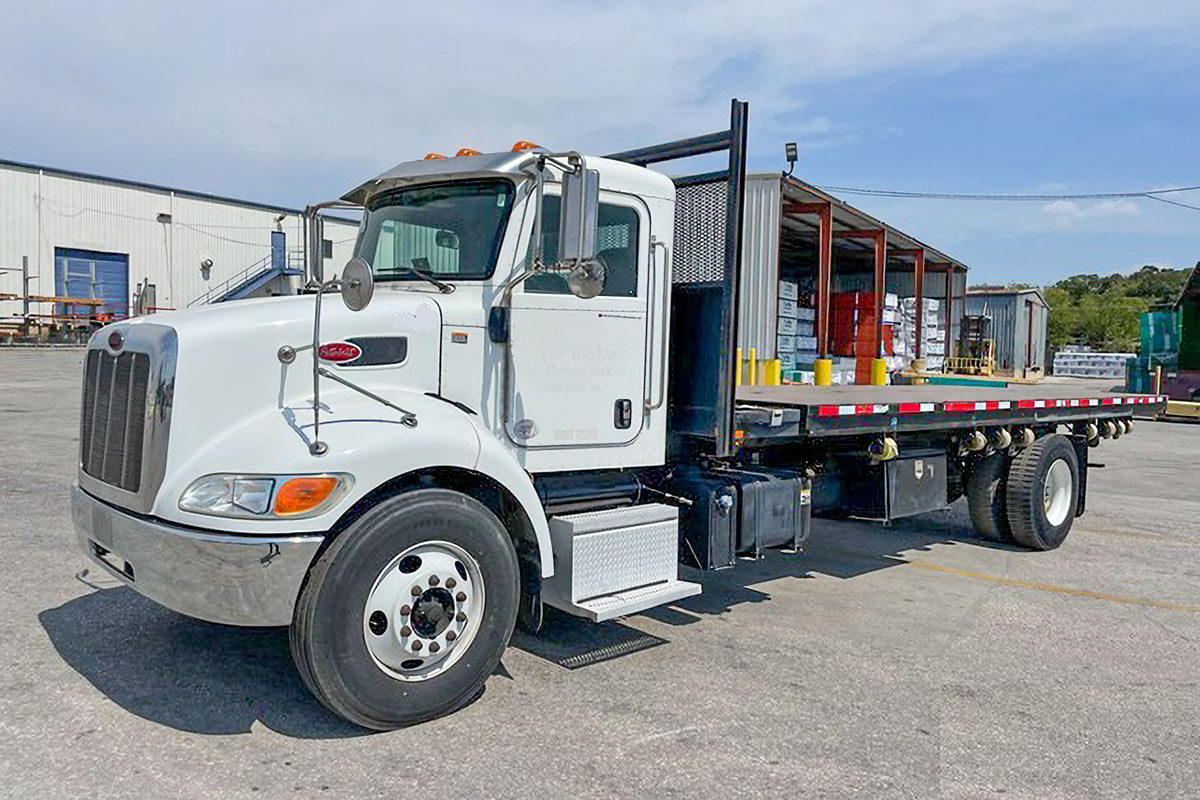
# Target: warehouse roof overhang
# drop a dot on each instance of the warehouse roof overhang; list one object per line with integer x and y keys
{"x": 799, "y": 196}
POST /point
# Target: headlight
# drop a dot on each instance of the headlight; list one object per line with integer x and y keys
{"x": 256, "y": 496}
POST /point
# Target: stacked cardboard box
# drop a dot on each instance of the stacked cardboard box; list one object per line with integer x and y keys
{"x": 933, "y": 345}
{"x": 796, "y": 341}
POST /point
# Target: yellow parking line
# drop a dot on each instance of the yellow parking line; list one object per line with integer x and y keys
{"x": 1047, "y": 587}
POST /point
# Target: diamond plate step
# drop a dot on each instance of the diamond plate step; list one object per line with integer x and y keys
{"x": 631, "y": 601}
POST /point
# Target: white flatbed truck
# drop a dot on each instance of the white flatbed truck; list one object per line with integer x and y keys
{"x": 526, "y": 398}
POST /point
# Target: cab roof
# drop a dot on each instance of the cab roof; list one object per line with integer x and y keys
{"x": 614, "y": 175}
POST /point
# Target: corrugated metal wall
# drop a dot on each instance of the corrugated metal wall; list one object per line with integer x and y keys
{"x": 758, "y": 300}
{"x": 1010, "y": 328}
{"x": 42, "y": 210}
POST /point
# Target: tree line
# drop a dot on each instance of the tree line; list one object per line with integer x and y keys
{"x": 1104, "y": 312}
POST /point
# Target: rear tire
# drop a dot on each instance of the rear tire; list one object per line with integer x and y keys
{"x": 1043, "y": 493}
{"x": 986, "y": 498}
{"x": 353, "y": 646}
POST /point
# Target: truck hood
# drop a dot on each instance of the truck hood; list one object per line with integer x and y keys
{"x": 229, "y": 371}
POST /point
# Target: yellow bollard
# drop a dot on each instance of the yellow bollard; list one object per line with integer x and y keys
{"x": 772, "y": 372}
{"x": 823, "y": 372}
{"x": 878, "y": 372}
{"x": 737, "y": 370}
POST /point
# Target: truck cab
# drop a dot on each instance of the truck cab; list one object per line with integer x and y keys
{"x": 232, "y": 455}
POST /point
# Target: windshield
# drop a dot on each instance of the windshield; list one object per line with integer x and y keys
{"x": 449, "y": 230}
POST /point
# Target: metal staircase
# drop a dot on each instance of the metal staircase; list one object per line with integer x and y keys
{"x": 251, "y": 279}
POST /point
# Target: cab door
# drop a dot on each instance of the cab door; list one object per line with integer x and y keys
{"x": 578, "y": 367}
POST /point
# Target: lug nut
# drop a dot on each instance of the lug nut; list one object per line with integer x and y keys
{"x": 434, "y": 647}
{"x": 416, "y": 591}
{"x": 433, "y": 580}
{"x": 417, "y": 644}
{"x": 461, "y": 617}
{"x": 405, "y": 631}
{"x": 451, "y": 636}
{"x": 460, "y": 597}
{"x": 405, "y": 611}
{"x": 451, "y": 583}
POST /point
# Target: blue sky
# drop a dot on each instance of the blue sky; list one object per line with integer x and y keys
{"x": 291, "y": 102}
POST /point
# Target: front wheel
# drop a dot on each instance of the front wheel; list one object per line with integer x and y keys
{"x": 1043, "y": 493}
{"x": 406, "y": 614}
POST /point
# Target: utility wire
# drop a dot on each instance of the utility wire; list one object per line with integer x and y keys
{"x": 1152, "y": 194}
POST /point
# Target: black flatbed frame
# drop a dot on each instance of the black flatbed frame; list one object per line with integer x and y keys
{"x": 781, "y": 413}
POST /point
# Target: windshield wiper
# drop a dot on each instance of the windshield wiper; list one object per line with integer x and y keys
{"x": 418, "y": 268}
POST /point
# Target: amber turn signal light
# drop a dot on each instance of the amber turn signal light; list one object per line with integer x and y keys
{"x": 299, "y": 495}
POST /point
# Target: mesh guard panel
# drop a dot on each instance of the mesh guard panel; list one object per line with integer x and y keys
{"x": 700, "y": 230}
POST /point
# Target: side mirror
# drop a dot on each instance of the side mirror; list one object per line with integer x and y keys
{"x": 447, "y": 239}
{"x": 358, "y": 284}
{"x": 577, "y": 219}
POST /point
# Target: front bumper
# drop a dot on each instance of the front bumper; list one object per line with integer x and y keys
{"x": 219, "y": 577}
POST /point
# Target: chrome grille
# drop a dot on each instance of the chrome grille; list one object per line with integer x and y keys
{"x": 113, "y": 425}
{"x": 125, "y": 414}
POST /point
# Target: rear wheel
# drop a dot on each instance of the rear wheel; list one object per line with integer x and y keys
{"x": 409, "y": 610}
{"x": 1043, "y": 493}
{"x": 986, "y": 500}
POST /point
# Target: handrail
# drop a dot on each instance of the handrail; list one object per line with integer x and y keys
{"x": 260, "y": 266}
{"x": 666, "y": 320}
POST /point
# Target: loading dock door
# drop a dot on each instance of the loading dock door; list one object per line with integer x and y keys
{"x": 91, "y": 275}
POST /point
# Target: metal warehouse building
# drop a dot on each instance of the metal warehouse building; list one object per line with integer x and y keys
{"x": 127, "y": 247}
{"x": 1019, "y": 317}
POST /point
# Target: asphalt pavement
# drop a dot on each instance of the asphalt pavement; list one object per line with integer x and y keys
{"x": 911, "y": 661}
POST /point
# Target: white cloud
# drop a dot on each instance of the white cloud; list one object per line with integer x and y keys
{"x": 379, "y": 82}
{"x": 1071, "y": 215}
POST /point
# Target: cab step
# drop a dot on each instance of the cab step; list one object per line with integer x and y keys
{"x": 615, "y": 562}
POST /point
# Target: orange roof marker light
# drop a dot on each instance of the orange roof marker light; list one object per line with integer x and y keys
{"x": 432, "y": 156}
{"x": 467, "y": 151}
{"x": 524, "y": 145}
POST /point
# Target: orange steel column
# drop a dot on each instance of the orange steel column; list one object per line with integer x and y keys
{"x": 918, "y": 256}
{"x": 879, "y": 237}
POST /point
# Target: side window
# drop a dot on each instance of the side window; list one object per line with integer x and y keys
{"x": 616, "y": 246}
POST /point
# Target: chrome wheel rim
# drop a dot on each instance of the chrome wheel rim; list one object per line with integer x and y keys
{"x": 1057, "y": 492}
{"x": 424, "y": 610}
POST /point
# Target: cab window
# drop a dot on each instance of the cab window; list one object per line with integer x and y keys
{"x": 616, "y": 246}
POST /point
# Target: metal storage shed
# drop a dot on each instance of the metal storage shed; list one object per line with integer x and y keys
{"x": 1018, "y": 326}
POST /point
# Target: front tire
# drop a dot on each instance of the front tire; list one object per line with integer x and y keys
{"x": 407, "y": 613}
{"x": 1043, "y": 493}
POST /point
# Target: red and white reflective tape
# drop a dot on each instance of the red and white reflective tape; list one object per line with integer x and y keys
{"x": 852, "y": 411}
{"x": 871, "y": 409}
{"x": 917, "y": 408}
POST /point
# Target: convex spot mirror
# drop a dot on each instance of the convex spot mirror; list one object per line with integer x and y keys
{"x": 358, "y": 284}
{"x": 586, "y": 278}
{"x": 447, "y": 239}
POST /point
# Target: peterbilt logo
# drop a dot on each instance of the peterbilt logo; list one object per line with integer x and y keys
{"x": 116, "y": 340}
